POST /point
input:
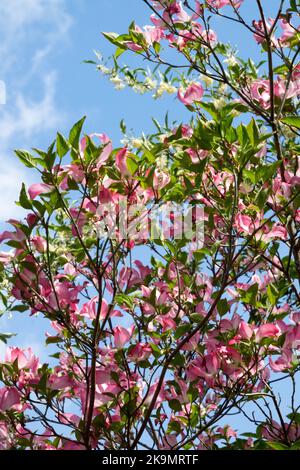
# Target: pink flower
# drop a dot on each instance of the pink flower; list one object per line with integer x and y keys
{"x": 268, "y": 330}
{"x": 39, "y": 188}
{"x": 151, "y": 34}
{"x": 121, "y": 158}
{"x": 281, "y": 89}
{"x": 245, "y": 224}
{"x": 223, "y": 3}
{"x": 122, "y": 335}
{"x": 31, "y": 219}
{"x": 245, "y": 330}
{"x": 107, "y": 147}
{"x": 227, "y": 432}
{"x": 18, "y": 235}
{"x": 295, "y": 317}
{"x": 140, "y": 352}
{"x": 278, "y": 432}
{"x": 68, "y": 445}
{"x": 104, "y": 155}
{"x": 90, "y": 309}
{"x": 281, "y": 363}
{"x": 288, "y": 31}
{"x": 5, "y": 440}
{"x": 166, "y": 322}
{"x": 212, "y": 363}
{"x": 39, "y": 243}
{"x": 24, "y": 358}
{"x": 59, "y": 382}
{"x": 260, "y": 37}
{"x": 5, "y": 258}
{"x": 278, "y": 231}
{"x": 260, "y": 91}
{"x": 8, "y": 398}
{"x": 160, "y": 179}
{"x": 133, "y": 46}
{"x": 205, "y": 368}
{"x": 192, "y": 94}
{"x": 292, "y": 339}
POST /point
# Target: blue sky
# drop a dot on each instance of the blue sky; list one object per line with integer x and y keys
{"x": 42, "y": 46}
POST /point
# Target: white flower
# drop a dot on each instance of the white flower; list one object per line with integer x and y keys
{"x": 117, "y": 81}
{"x": 162, "y": 161}
{"x": 133, "y": 142}
{"x": 220, "y": 103}
{"x": 222, "y": 87}
{"x": 207, "y": 80}
{"x": 150, "y": 84}
{"x": 138, "y": 88}
{"x": 231, "y": 60}
{"x": 137, "y": 143}
{"x": 104, "y": 70}
{"x": 164, "y": 87}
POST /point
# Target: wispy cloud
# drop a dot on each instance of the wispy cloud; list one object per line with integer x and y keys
{"x": 30, "y": 32}
{"x": 32, "y": 35}
{"x": 18, "y": 125}
{"x": 28, "y": 117}
{"x": 31, "y": 29}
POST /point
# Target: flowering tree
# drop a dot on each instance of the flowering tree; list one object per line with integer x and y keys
{"x": 162, "y": 354}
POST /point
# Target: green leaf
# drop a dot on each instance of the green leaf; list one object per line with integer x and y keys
{"x": 119, "y": 52}
{"x": 272, "y": 294}
{"x": 111, "y": 37}
{"x": 242, "y": 134}
{"x": 26, "y": 158}
{"x": 62, "y": 145}
{"x": 117, "y": 40}
{"x": 5, "y": 336}
{"x": 174, "y": 426}
{"x": 14, "y": 244}
{"x": 181, "y": 330}
{"x": 24, "y": 201}
{"x": 157, "y": 47}
{"x": 53, "y": 340}
{"x": 123, "y": 127}
{"x": 210, "y": 108}
{"x": 131, "y": 165}
{"x": 123, "y": 299}
{"x": 89, "y": 61}
{"x": 19, "y": 308}
{"x": 277, "y": 445}
{"x": 223, "y": 306}
{"x": 294, "y": 4}
{"x": 293, "y": 121}
{"x": 266, "y": 172}
{"x": 295, "y": 417}
{"x": 75, "y": 133}
{"x": 249, "y": 296}
{"x": 175, "y": 405}
{"x": 253, "y": 132}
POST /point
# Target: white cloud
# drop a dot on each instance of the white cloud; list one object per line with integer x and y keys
{"x": 18, "y": 125}
{"x": 28, "y": 117}
{"x": 22, "y": 22}
{"x": 32, "y": 34}
{"x": 30, "y": 31}
{"x": 10, "y": 183}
